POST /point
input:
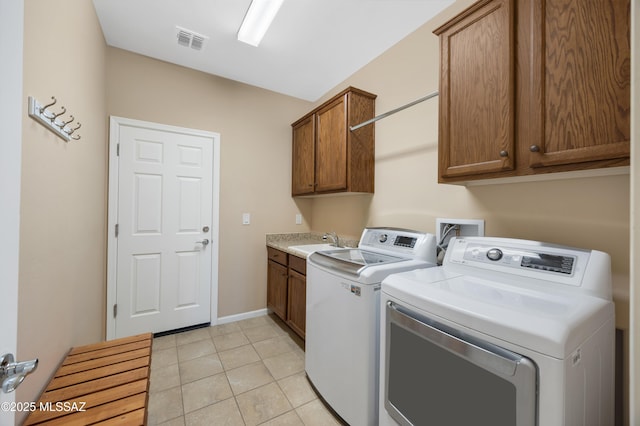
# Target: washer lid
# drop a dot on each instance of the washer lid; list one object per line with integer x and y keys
{"x": 552, "y": 324}
{"x": 353, "y": 261}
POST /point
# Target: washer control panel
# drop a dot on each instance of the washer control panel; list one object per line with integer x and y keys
{"x": 397, "y": 241}
{"x": 390, "y": 238}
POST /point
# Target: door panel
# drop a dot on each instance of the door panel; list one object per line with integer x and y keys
{"x": 303, "y": 169}
{"x": 477, "y": 106}
{"x": 165, "y": 203}
{"x": 582, "y": 49}
{"x": 145, "y": 284}
{"x": 331, "y": 146}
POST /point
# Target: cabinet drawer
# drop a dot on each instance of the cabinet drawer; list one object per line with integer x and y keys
{"x": 298, "y": 264}
{"x": 277, "y": 256}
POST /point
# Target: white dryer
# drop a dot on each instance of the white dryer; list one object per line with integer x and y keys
{"x": 507, "y": 332}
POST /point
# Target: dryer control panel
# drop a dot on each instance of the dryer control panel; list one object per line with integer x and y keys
{"x": 516, "y": 262}
{"x": 518, "y": 258}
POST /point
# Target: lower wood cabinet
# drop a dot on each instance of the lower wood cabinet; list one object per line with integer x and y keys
{"x": 287, "y": 288}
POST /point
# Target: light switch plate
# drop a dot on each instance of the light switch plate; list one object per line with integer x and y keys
{"x": 298, "y": 219}
{"x": 246, "y": 218}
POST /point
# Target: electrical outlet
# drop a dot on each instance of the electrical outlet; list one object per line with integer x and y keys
{"x": 246, "y": 218}
{"x": 465, "y": 228}
{"x": 298, "y": 219}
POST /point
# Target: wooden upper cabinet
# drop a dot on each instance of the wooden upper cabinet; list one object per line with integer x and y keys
{"x": 534, "y": 86}
{"x": 477, "y": 103}
{"x": 327, "y": 156}
{"x": 331, "y": 146}
{"x": 303, "y": 173}
{"x": 579, "y": 81}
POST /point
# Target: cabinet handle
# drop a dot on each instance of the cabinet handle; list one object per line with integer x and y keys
{"x": 534, "y": 148}
{"x": 504, "y": 153}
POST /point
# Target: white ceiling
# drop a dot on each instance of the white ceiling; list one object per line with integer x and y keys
{"x": 311, "y": 47}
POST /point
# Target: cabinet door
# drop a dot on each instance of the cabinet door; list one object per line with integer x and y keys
{"x": 297, "y": 309}
{"x": 477, "y": 91}
{"x": 277, "y": 289}
{"x": 303, "y": 167}
{"x": 331, "y": 146}
{"x": 580, "y": 107}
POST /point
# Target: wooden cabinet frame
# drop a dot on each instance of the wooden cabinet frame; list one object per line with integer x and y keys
{"x": 557, "y": 101}
{"x": 287, "y": 288}
{"x": 327, "y": 157}
{"x": 477, "y": 81}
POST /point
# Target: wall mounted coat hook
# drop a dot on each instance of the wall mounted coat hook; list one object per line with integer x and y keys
{"x": 50, "y": 120}
{"x": 69, "y": 130}
{"x": 43, "y": 110}
{"x": 54, "y": 115}
{"x": 63, "y": 124}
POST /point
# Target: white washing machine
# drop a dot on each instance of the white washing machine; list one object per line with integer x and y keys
{"x": 343, "y": 315}
{"x": 507, "y": 332}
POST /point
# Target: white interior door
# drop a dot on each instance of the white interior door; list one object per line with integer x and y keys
{"x": 11, "y": 29}
{"x": 166, "y": 227}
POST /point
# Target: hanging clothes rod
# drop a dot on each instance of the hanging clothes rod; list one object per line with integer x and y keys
{"x": 393, "y": 111}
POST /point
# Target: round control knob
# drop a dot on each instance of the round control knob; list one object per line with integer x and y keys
{"x": 383, "y": 238}
{"x": 494, "y": 254}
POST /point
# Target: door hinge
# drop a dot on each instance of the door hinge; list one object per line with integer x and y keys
{"x": 117, "y": 150}
{"x": 115, "y": 310}
{"x": 117, "y": 229}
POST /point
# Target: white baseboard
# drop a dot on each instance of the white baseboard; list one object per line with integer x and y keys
{"x": 242, "y": 316}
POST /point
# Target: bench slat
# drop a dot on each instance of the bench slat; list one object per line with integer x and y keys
{"x": 102, "y": 412}
{"x": 109, "y": 380}
{"x": 111, "y": 343}
{"x": 96, "y": 373}
{"x": 92, "y": 400}
{"x": 133, "y": 418}
{"x": 81, "y": 389}
{"x": 100, "y": 353}
{"x": 101, "y": 362}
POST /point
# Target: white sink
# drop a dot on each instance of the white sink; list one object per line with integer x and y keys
{"x": 307, "y": 249}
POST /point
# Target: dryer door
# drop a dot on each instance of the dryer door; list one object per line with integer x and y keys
{"x": 439, "y": 375}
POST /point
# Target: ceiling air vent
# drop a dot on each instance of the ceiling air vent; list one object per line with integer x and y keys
{"x": 188, "y": 38}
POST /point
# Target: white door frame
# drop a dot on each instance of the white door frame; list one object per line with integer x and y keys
{"x": 11, "y": 46}
{"x": 112, "y": 246}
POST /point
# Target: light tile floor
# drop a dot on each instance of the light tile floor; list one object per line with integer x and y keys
{"x": 249, "y": 372}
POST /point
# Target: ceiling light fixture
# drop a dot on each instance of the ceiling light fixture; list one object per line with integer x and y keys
{"x": 257, "y": 20}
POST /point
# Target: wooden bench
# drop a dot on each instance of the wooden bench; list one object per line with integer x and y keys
{"x": 105, "y": 383}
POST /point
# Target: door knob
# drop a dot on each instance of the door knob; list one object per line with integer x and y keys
{"x": 203, "y": 242}
{"x": 13, "y": 373}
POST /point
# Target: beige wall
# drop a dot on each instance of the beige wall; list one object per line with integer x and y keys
{"x": 63, "y": 211}
{"x": 255, "y": 132}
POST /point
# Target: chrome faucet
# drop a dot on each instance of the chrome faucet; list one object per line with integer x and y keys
{"x": 333, "y": 236}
